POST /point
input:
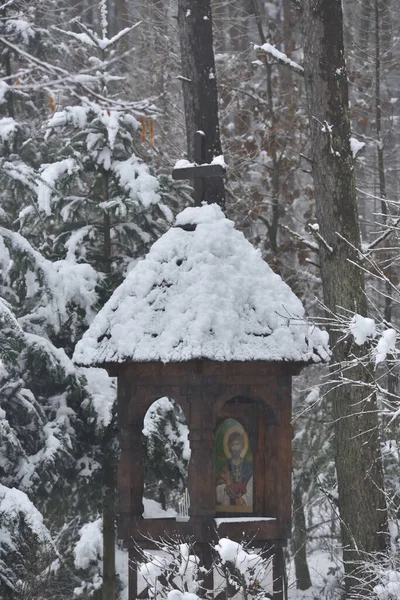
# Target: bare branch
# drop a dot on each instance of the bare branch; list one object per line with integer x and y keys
{"x": 311, "y": 245}
{"x": 280, "y": 57}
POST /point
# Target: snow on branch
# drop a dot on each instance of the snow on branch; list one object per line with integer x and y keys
{"x": 280, "y": 57}
{"x": 90, "y": 37}
{"x": 314, "y": 229}
{"x": 366, "y": 249}
{"x": 311, "y": 245}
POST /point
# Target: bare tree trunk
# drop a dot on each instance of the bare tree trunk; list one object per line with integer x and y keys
{"x": 387, "y": 265}
{"x": 109, "y": 501}
{"x": 299, "y": 540}
{"x": 200, "y": 84}
{"x": 272, "y": 224}
{"x": 361, "y": 499}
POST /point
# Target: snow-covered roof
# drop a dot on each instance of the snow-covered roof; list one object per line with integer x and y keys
{"x": 203, "y": 291}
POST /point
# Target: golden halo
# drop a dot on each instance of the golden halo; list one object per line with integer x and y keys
{"x": 236, "y": 429}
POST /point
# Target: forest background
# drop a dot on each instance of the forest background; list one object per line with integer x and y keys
{"x": 91, "y": 125}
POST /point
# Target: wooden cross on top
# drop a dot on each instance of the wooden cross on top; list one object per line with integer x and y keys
{"x": 200, "y": 171}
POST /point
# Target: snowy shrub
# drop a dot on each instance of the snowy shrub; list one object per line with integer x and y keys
{"x": 174, "y": 572}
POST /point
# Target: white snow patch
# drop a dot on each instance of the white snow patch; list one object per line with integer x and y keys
{"x": 13, "y": 503}
{"x": 4, "y": 87}
{"x": 183, "y": 164}
{"x": 8, "y": 128}
{"x": 385, "y": 346}
{"x": 90, "y": 545}
{"x": 103, "y": 392}
{"x": 280, "y": 56}
{"x": 356, "y": 146}
{"x": 49, "y": 175}
{"x": 135, "y": 177}
{"x": 219, "y": 160}
{"x": 362, "y": 328}
{"x": 154, "y": 510}
{"x": 251, "y": 565}
{"x": 220, "y": 521}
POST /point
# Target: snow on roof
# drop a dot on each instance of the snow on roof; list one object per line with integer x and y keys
{"x": 203, "y": 291}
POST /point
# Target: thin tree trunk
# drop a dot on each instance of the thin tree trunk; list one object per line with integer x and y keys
{"x": 109, "y": 574}
{"x": 200, "y": 85}
{"x": 106, "y": 224}
{"x": 361, "y": 499}
{"x": 385, "y": 256}
{"x": 299, "y": 540}
{"x": 272, "y": 223}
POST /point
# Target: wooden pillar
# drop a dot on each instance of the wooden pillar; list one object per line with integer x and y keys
{"x": 284, "y": 454}
{"x": 205, "y": 555}
{"x": 133, "y": 591}
{"x": 278, "y": 573}
{"x": 201, "y": 478}
{"x": 136, "y": 470}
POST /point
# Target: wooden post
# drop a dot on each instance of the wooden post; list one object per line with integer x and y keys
{"x": 199, "y": 84}
{"x": 132, "y": 574}
{"x": 206, "y": 560}
{"x": 201, "y": 479}
{"x": 201, "y": 172}
{"x": 278, "y": 573}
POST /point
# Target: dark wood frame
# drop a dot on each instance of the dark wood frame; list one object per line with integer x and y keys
{"x": 209, "y": 392}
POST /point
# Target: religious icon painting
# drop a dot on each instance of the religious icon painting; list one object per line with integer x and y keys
{"x": 233, "y": 468}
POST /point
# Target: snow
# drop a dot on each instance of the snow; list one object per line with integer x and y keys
{"x": 219, "y": 522}
{"x": 219, "y": 160}
{"x": 90, "y": 545}
{"x": 174, "y": 559}
{"x": 389, "y": 589}
{"x": 22, "y": 28}
{"x": 62, "y": 283}
{"x": 251, "y": 565}
{"x": 205, "y": 293}
{"x": 103, "y": 392}
{"x": 103, "y": 18}
{"x": 362, "y": 328}
{"x": 280, "y": 56}
{"x": 356, "y": 146}
{"x": 134, "y": 177}
{"x": 154, "y": 510}
{"x": 8, "y": 127}
{"x": 14, "y": 504}
{"x": 183, "y": 164}
{"x": 386, "y": 345}
{"x": 88, "y": 552}
{"x": 49, "y": 175}
{"x": 84, "y": 38}
{"x": 77, "y": 116}
{"x": 4, "y": 87}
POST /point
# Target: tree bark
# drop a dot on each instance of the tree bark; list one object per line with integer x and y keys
{"x": 200, "y": 85}
{"x": 299, "y": 539}
{"x": 361, "y": 499}
{"x": 109, "y": 538}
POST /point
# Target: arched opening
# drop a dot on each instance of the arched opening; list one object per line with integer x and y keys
{"x": 166, "y": 454}
{"x": 234, "y": 468}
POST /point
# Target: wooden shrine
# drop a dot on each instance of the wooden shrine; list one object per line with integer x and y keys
{"x": 251, "y": 398}
{"x": 204, "y": 320}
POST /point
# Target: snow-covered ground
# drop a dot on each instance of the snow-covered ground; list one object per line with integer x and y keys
{"x": 321, "y": 564}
